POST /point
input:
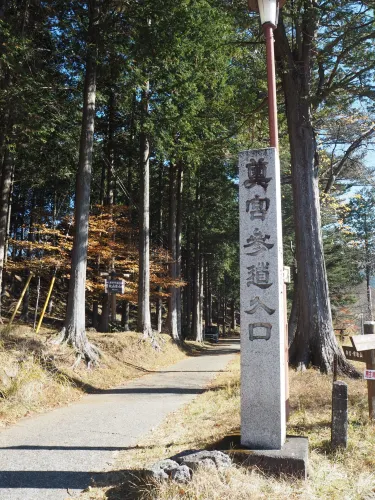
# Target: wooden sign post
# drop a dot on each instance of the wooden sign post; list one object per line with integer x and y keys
{"x": 364, "y": 350}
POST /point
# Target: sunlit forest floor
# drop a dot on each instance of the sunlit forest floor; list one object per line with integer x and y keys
{"x": 37, "y": 375}
{"x": 347, "y": 474}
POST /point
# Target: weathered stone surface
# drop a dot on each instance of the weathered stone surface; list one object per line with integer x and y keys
{"x": 169, "y": 469}
{"x": 162, "y": 470}
{"x": 182, "y": 475}
{"x": 339, "y": 427}
{"x": 262, "y": 302}
{"x": 206, "y": 458}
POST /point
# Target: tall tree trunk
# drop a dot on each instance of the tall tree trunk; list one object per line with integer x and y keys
{"x": 188, "y": 278}
{"x": 209, "y": 292}
{"x": 74, "y": 330}
{"x": 9, "y": 217}
{"x": 144, "y": 316}
{"x": 206, "y": 306}
{"x": 129, "y": 181}
{"x": 224, "y": 313}
{"x": 315, "y": 340}
{"x": 368, "y": 289}
{"x": 293, "y": 316}
{"x": 159, "y": 300}
{"x": 104, "y": 317}
{"x": 111, "y": 187}
{"x": 180, "y": 180}
{"x": 172, "y": 230}
{"x": 233, "y": 316}
{"x": 368, "y": 269}
{"x": 5, "y": 190}
{"x": 197, "y": 327}
{"x": 102, "y": 184}
{"x": 125, "y": 315}
{"x": 201, "y": 296}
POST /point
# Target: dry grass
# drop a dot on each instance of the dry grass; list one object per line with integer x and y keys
{"x": 343, "y": 475}
{"x": 37, "y": 375}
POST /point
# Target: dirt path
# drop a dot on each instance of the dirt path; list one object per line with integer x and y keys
{"x": 54, "y": 456}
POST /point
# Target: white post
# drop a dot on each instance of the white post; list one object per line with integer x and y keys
{"x": 262, "y": 302}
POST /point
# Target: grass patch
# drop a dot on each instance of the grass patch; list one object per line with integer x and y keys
{"x": 344, "y": 475}
{"x": 36, "y": 375}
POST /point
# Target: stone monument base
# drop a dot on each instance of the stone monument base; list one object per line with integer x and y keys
{"x": 291, "y": 460}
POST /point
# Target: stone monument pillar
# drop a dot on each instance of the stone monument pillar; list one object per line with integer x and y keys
{"x": 262, "y": 302}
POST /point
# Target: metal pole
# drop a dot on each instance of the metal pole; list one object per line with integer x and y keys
{"x": 271, "y": 83}
{"x": 20, "y": 299}
{"x": 37, "y": 301}
{"x": 46, "y": 303}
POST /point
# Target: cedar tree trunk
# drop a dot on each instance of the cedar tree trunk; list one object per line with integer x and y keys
{"x": 74, "y": 331}
{"x": 144, "y": 316}
{"x": 172, "y": 230}
{"x": 315, "y": 342}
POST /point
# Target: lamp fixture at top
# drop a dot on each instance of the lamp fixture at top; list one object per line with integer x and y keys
{"x": 268, "y": 10}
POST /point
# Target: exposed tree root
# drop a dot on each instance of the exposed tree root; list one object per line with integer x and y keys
{"x": 345, "y": 368}
{"x": 149, "y": 336}
{"x": 82, "y": 347}
{"x": 301, "y": 367}
{"x": 60, "y": 339}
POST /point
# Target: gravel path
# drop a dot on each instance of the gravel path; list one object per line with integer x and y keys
{"x": 54, "y": 456}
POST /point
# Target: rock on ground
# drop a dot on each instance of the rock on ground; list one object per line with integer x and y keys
{"x": 193, "y": 459}
{"x": 169, "y": 469}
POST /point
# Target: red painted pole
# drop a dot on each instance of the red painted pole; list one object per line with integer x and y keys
{"x": 271, "y": 83}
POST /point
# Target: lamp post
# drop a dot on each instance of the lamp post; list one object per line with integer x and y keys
{"x": 269, "y": 12}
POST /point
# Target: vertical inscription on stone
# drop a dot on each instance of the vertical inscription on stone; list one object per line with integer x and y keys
{"x": 262, "y": 304}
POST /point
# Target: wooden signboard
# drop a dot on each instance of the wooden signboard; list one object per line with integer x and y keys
{"x": 353, "y": 355}
{"x": 364, "y": 350}
{"x": 363, "y": 342}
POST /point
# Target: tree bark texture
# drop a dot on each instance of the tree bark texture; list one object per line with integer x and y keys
{"x": 233, "y": 316}
{"x": 159, "y": 300}
{"x": 180, "y": 180}
{"x": 188, "y": 278}
{"x": 196, "y": 320}
{"x": 5, "y": 190}
{"x": 74, "y": 330}
{"x": 125, "y": 315}
{"x": 315, "y": 342}
{"x": 144, "y": 316}
{"x": 172, "y": 244}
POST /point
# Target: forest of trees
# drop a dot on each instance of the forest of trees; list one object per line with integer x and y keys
{"x": 119, "y": 139}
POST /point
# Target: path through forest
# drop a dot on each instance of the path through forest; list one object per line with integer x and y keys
{"x": 55, "y": 455}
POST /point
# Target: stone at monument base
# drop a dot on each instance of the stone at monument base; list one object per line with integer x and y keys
{"x": 291, "y": 460}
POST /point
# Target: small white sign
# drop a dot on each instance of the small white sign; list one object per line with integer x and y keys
{"x": 369, "y": 375}
{"x": 287, "y": 278}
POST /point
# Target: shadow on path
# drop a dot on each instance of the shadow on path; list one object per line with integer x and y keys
{"x": 126, "y": 484}
{"x": 74, "y": 448}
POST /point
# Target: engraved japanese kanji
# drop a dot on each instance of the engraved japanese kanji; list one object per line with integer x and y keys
{"x": 260, "y": 331}
{"x": 259, "y": 275}
{"x": 257, "y": 173}
{"x": 257, "y": 207}
{"x": 256, "y": 304}
{"x": 257, "y": 243}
